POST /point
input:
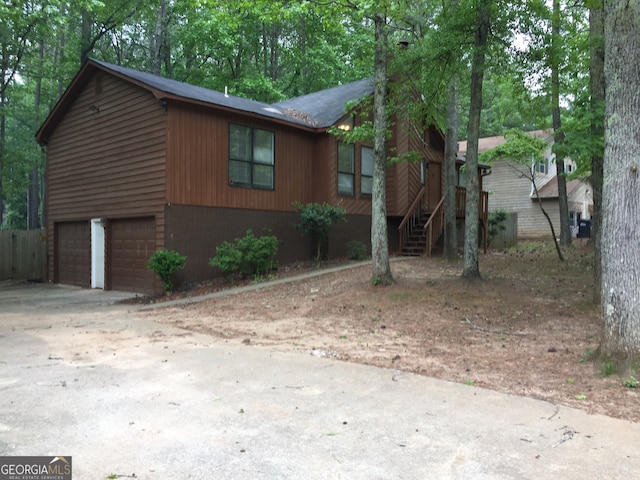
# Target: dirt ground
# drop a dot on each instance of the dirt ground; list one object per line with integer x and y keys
{"x": 528, "y": 328}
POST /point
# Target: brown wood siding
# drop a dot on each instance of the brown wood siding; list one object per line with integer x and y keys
{"x": 105, "y": 159}
{"x": 324, "y": 156}
{"x": 198, "y": 157}
{"x": 197, "y": 231}
{"x": 326, "y": 161}
{"x": 73, "y": 253}
{"x": 397, "y": 179}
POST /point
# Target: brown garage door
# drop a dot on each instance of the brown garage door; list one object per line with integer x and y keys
{"x": 73, "y": 253}
{"x": 132, "y": 243}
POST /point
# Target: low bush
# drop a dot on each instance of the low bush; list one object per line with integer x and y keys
{"x": 165, "y": 263}
{"x": 315, "y": 221}
{"x": 497, "y": 223}
{"x": 356, "y": 250}
{"x": 248, "y": 255}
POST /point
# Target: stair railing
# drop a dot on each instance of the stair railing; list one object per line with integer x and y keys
{"x": 412, "y": 217}
{"x": 434, "y": 227}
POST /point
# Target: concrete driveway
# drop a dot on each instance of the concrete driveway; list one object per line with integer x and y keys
{"x": 128, "y": 397}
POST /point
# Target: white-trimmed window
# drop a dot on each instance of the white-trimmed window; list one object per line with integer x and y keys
{"x": 346, "y": 169}
{"x": 366, "y": 170}
{"x": 251, "y": 157}
{"x": 569, "y": 167}
{"x": 542, "y": 166}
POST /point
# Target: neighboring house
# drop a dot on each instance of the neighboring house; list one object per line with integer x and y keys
{"x": 510, "y": 189}
{"x": 137, "y": 163}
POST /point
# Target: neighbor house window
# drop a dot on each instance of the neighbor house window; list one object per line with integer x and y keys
{"x": 542, "y": 167}
{"x": 251, "y": 157}
{"x": 346, "y": 169}
{"x": 366, "y": 170}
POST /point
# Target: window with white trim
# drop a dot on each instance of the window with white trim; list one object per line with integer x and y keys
{"x": 251, "y": 157}
{"x": 542, "y": 167}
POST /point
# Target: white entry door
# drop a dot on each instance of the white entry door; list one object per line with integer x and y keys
{"x": 97, "y": 253}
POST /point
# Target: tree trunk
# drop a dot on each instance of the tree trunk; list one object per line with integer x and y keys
{"x": 33, "y": 200}
{"x": 85, "y": 36}
{"x": 558, "y": 136}
{"x": 158, "y": 38}
{"x": 450, "y": 180}
{"x": 620, "y": 234}
{"x": 379, "y": 238}
{"x": 3, "y": 130}
{"x": 450, "y": 157}
{"x": 33, "y": 193}
{"x": 596, "y": 84}
{"x": 59, "y": 58}
{"x": 471, "y": 268}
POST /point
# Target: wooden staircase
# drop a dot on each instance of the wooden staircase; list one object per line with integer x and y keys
{"x": 422, "y": 229}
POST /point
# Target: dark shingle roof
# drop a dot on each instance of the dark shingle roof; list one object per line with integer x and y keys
{"x": 320, "y": 109}
{"x": 200, "y": 94}
{"x": 316, "y": 111}
{"x": 326, "y": 107}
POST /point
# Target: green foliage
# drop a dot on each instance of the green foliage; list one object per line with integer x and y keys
{"x": 497, "y": 220}
{"x": 631, "y": 382}
{"x": 228, "y": 259}
{"x": 316, "y": 222}
{"x": 589, "y": 355}
{"x": 519, "y": 147}
{"x": 607, "y": 368}
{"x": 165, "y": 263}
{"x": 249, "y": 255}
{"x": 580, "y": 142}
{"x": 356, "y": 250}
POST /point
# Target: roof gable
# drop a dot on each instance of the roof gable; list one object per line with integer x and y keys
{"x": 550, "y": 189}
{"x": 317, "y": 110}
{"x": 487, "y": 143}
{"x": 326, "y": 107}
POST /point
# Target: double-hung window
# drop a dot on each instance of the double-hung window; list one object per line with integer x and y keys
{"x": 251, "y": 157}
{"x": 366, "y": 170}
{"x": 542, "y": 166}
{"x": 346, "y": 169}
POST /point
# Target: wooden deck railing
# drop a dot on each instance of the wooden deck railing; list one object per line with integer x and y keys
{"x": 483, "y": 212}
{"x": 461, "y": 201}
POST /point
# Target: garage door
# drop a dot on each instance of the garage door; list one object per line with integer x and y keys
{"x": 132, "y": 243}
{"x": 73, "y": 253}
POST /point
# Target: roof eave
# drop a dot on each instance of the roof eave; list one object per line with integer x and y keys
{"x": 90, "y": 68}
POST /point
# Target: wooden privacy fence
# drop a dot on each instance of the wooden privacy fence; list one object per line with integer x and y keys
{"x": 23, "y": 255}
{"x": 508, "y": 237}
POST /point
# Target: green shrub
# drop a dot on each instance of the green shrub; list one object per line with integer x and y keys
{"x": 356, "y": 250}
{"x": 497, "y": 220}
{"x": 228, "y": 259}
{"x": 257, "y": 254}
{"x": 249, "y": 255}
{"x": 164, "y": 263}
{"x": 316, "y": 222}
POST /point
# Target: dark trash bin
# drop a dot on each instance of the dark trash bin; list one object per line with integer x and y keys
{"x": 584, "y": 229}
